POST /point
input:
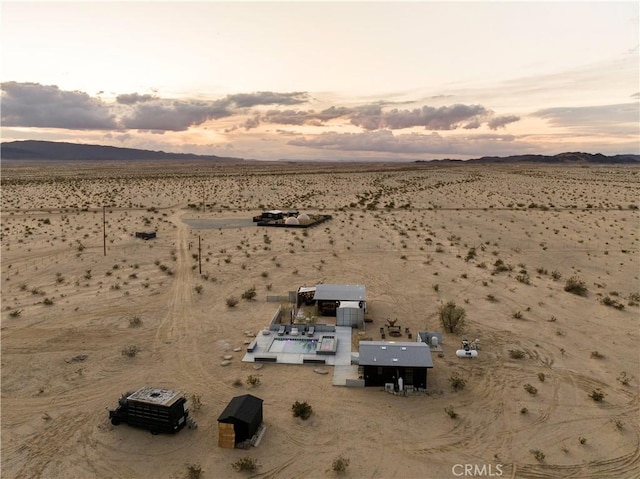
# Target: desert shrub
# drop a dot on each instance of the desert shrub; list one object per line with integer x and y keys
{"x": 524, "y": 278}
{"x": 582, "y": 440}
{"x": 452, "y": 317}
{"x": 237, "y": 382}
{"x": 135, "y": 322}
{"x": 194, "y": 471}
{"x": 130, "y": 351}
{"x": 452, "y": 414}
{"x": 15, "y": 313}
{"x": 597, "y": 395}
{"x": 245, "y": 464}
{"x": 524, "y": 410}
{"x": 541, "y": 377}
{"x": 516, "y": 354}
{"x": 302, "y": 410}
{"x": 607, "y": 301}
{"x": 253, "y": 380}
{"x": 198, "y": 289}
{"x": 623, "y": 378}
{"x": 340, "y": 464}
{"x": 48, "y": 301}
{"x": 619, "y": 424}
{"x": 492, "y": 298}
{"x": 530, "y": 389}
{"x": 576, "y": 286}
{"x": 556, "y": 275}
{"x": 499, "y": 266}
{"x": 457, "y": 383}
{"x": 596, "y": 355}
{"x": 517, "y": 315}
{"x": 538, "y": 454}
{"x": 196, "y": 402}
{"x": 232, "y": 301}
{"x": 249, "y": 294}
{"x": 471, "y": 254}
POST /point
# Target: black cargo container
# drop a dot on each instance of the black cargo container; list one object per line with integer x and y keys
{"x": 155, "y": 409}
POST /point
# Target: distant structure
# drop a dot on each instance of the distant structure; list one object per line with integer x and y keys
{"x": 291, "y": 219}
{"x": 146, "y": 235}
{"x": 240, "y": 421}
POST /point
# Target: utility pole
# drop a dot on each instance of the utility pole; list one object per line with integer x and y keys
{"x": 199, "y": 255}
{"x": 104, "y": 229}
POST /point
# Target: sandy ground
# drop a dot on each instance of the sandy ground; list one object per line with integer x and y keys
{"x": 403, "y": 232}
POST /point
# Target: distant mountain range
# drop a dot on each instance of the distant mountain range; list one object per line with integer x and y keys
{"x": 55, "y": 150}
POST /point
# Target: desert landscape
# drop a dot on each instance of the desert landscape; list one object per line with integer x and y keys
{"x": 553, "y": 392}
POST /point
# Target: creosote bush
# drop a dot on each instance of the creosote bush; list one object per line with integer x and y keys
{"x": 576, "y": 286}
{"x": 452, "y": 317}
{"x": 530, "y": 389}
{"x": 249, "y": 294}
{"x": 253, "y": 380}
{"x": 340, "y": 464}
{"x": 130, "y": 351}
{"x": 232, "y": 301}
{"x": 245, "y": 464}
{"x": 597, "y": 395}
{"x": 457, "y": 383}
{"x": 194, "y": 471}
{"x": 452, "y": 414}
{"x": 302, "y": 410}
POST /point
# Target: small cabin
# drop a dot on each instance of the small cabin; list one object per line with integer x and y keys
{"x": 146, "y": 235}
{"x": 239, "y": 421}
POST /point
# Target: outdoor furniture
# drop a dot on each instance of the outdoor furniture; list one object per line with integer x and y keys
{"x": 294, "y": 331}
{"x": 281, "y": 330}
{"x": 312, "y": 329}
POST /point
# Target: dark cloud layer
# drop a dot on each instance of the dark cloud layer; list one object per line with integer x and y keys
{"x": 36, "y": 105}
{"x": 408, "y": 144}
{"x": 174, "y": 116}
{"x": 247, "y": 100}
{"x": 132, "y": 98}
{"x": 616, "y": 119}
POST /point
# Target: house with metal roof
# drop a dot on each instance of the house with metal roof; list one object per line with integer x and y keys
{"x": 395, "y": 364}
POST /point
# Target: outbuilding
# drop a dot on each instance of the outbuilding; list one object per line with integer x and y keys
{"x": 328, "y": 297}
{"x": 395, "y": 365}
{"x": 239, "y": 421}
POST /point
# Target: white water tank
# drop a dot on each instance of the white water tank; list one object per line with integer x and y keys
{"x": 434, "y": 341}
{"x": 462, "y": 353}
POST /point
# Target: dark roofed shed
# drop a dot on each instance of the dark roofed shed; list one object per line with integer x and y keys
{"x": 245, "y": 413}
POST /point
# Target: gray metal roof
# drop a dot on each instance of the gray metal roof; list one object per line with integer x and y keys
{"x": 339, "y": 292}
{"x": 390, "y": 353}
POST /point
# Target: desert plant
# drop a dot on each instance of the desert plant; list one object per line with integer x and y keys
{"x": 452, "y": 414}
{"x": 517, "y": 315}
{"x": 597, "y": 395}
{"x": 556, "y": 275}
{"x": 237, "y": 382}
{"x": 130, "y": 351}
{"x": 452, "y": 317}
{"x": 302, "y": 410}
{"x": 524, "y": 410}
{"x": 623, "y": 378}
{"x": 530, "y": 389}
{"x": 582, "y": 440}
{"x": 457, "y": 383}
{"x": 340, "y": 464}
{"x": 523, "y": 278}
{"x": 596, "y": 355}
{"x": 253, "y": 380}
{"x": 249, "y": 294}
{"x": 194, "y": 471}
{"x": 607, "y": 301}
{"x": 538, "y": 454}
{"x": 135, "y": 322}
{"x": 245, "y": 464}
{"x": 516, "y": 354}
{"x": 232, "y": 301}
{"x": 196, "y": 402}
{"x": 541, "y": 377}
{"x": 15, "y": 313}
{"x": 576, "y": 286}
{"x": 198, "y": 289}
{"x": 619, "y": 424}
{"x": 48, "y": 301}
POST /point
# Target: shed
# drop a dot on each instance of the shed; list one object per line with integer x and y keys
{"x": 350, "y": 313}
{"x": 384, "y": 362}
{"x": 328, "y": 296}
{"x": 240, "y": 420}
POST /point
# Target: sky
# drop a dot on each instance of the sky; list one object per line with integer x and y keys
{"x": 305, "y": 80}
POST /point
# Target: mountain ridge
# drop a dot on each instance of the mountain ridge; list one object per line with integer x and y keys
{"x": 55, "y": 150}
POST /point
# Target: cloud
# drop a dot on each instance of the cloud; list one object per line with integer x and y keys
{"x": 46, "y": 106}
{"x": 384, "y": 141}
{"x": 247, "y": 100}
{"x": 252, "y": 122}
{"x": 614, "y": 119}
{"x": 501, "y": 121}
{"x": 131, "y": 98}
{"x": 174, "y": 115}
